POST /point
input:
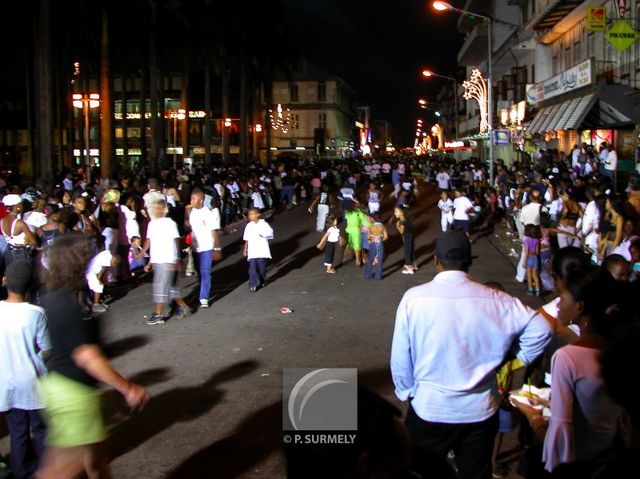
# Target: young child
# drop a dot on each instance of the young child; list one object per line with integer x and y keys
{"x": 532, "y": 235}
{"x": 446, "y": 207}
{"x": 97, "y": 267}
{"x": 164, "y": 241}
{"x": 256, "y": 238}
{"x": 137, "y": 258}
{"x": 330, "y": 239}
{"x": 25, "y": 347}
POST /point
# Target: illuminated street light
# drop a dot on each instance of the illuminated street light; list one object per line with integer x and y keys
{"x": 422, "y": 101}
{"x": 86, "y": 101}
{"x": 227, "y": 122}
{"x": 258, "y": 127}
{"x": 442, "y": 6}
{"x": 428, "y": 74}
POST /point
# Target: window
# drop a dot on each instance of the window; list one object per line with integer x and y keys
{"x": 322, "y": 91}
{"x": 591, "y": 44}
{"x": 295, "y": 122}
{"x": 322, "y": 120}
{"x": 293, "y": 92}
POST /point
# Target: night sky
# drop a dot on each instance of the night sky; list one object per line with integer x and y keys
{"x": 379, "y": 47}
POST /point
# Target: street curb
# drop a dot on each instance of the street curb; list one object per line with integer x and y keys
{"x": 505, "y": 243}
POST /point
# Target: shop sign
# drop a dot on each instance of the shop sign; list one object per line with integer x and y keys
{"x": 569, "y": 80}
{"x": 501, "y": 137}
{"x": 530, "y": 91}
{"x": 621, "y": 7}
{"x": 621, "y": 35}
{"x": 596, "y": 18}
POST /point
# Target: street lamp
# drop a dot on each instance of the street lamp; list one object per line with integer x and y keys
{"x": 179, "y": 114}
{"x": 86, "y": 101}
{"x": 444, "y": 6}
{"x": 428, "y": 74}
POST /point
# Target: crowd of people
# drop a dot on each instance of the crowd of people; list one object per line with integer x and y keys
{"x": 65, "y": 244}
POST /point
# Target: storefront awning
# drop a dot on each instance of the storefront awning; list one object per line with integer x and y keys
{"x": 574, "y": 112}
{"x": 608, "y": 107}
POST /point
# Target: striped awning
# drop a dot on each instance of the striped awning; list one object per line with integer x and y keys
{"x": 575, "y": 111}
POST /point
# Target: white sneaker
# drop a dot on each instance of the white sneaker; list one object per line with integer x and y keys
{"x": 407, "y": 271}
{"x": 204, "y": 303}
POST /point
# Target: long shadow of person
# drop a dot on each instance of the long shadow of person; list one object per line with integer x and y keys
{"x": 173, "y": 406}
{"x": 122, "y": 346}
{"x": 257, "y": 436}
{"x": 297, "y": 262}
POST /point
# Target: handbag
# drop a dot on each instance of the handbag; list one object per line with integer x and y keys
{"x": 322, "y": 244}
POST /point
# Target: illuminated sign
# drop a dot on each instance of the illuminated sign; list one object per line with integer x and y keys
{"x": 197, "y": 114}
{"x": 92, "y": 152}
{"x": 454, "y": 144}
{"x": 569, "y": 80}
{"x": 359, "y": 125}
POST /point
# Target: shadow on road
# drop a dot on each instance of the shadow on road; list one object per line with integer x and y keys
{"x": 125, "y": 345}
{"x": 257, "y": 437}
{"x": 174, "y": 406}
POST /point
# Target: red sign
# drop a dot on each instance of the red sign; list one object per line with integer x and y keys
{"x": 621, "y": 7}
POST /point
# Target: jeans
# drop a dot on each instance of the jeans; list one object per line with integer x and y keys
{"x": 409, "y": 257}
{"x": 204, "y": 271}
{"x": 376, "y": 251}
{"x": 19, "y": 422}
{"x": 472, "y": 443}
{"x": 329, "y": 252}
{"x": 257, "y": 271}
{"x": 286, "y": 195}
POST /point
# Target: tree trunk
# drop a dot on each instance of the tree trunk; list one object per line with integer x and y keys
{"x": 143, "y": 119}
{"x": 225, "y": 114}
{"x": 207, "y": 119}
{"x": 43, "y": 104}
{"x": 153, "y": 92}
{"x": 267, "y": 119}
{"x": 106, "y": 103}
{"x": 29, "y": 96}
{"x": 244, "y": 159}
{"x": 184, "y": 103}
{"x": 124, "y": 163}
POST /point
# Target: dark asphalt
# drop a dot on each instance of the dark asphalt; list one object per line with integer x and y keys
{"x": 215, "y": 377}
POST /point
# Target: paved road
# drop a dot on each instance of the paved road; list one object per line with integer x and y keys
{"x": 216, "y": 376}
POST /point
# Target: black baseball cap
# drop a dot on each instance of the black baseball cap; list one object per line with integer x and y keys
{"x": 453, "y": 246}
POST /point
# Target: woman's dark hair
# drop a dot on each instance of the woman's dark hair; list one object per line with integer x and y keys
{"x": 68, "y": 258}
{"x": 533, "y": 231}
{"x": 598, "y": 292}
{"x": 567, "y": 190}
{"x": 567, "y": 260}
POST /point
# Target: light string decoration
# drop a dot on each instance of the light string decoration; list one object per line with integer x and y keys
{"x": 281, "y": 120}
{"x": 476, "y": 89}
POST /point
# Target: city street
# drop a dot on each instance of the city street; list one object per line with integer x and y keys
{"x": 215, "y": 377}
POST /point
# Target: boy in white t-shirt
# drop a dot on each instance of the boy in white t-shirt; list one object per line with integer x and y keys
{"x": 443, "y": 179}
{"x": 163, "y": 240}
{"x": 462, "y": 206}
{"x": 446, "y": 208}
{"x": 256, "y": 238}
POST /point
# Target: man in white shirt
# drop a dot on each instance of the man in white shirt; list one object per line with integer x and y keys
{"x": 164, "y": 241}
{"x": 204, "y": 224}
{"x": 611, "y": 163}
{"x": 442, "y": 179}
{"x": 462, "y": 206}
{"x": 530, "y": 213}
{"x": 256, "y": 238}
{"x": 24, "y": 346}
{"x": 450, "y": 336}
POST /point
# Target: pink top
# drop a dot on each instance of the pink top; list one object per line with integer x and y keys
{"x": 583, "y": 418}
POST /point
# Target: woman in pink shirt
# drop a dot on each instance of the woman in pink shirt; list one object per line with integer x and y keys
{"x": 583, "y": 418}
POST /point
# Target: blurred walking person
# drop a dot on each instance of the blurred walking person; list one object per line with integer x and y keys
{"x": 76, "y": 428}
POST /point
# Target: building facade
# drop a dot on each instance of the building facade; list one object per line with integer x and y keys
{"x": 313, "y": 113}
{"x": 557, "y": 79}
